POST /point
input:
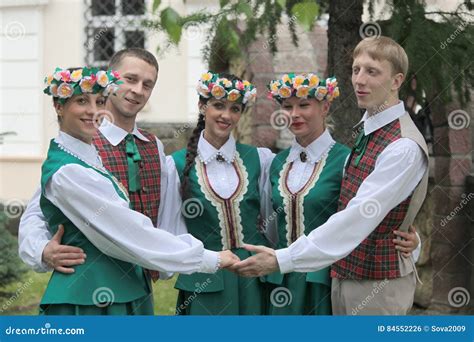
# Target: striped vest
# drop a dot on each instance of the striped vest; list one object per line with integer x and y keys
{"x": 114, "y": 158}
{"x": 376, "y": 257}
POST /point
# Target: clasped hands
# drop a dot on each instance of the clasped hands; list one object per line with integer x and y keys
{"x": 265, "y": 262}
{"x": 260, "y": 264}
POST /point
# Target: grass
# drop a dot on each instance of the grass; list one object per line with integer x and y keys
{"x": 23, "y": 297}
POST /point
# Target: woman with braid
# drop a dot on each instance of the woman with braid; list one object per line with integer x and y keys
{"x": 222, "y": 186}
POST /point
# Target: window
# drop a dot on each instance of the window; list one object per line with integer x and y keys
{"x": 112, "y": 25}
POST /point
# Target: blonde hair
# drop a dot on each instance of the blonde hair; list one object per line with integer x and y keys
{"x": 384, "y": 48}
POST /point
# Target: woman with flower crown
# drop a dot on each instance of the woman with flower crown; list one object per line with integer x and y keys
{"x": 79, "y": 193}
{"x": 305, "y": 182}
{"x": 222, "y": 184}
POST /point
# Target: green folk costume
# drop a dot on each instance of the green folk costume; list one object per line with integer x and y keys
{"x": 223, "y": 224}
{"x": 102, "y": 285}
{"x": 297, "y": 214}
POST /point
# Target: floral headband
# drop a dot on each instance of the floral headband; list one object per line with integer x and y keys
{"x": 63, "y": 84}
{"x": 303, "y": 86}
{"x": 212, "y": 85}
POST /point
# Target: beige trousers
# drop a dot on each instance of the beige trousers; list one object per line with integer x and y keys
{"x": 373, "y": 297}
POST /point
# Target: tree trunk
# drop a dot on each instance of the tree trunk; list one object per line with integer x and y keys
{"x": 345, "y": 19}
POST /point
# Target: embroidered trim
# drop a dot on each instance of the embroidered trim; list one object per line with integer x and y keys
{"x": 293, "y": 202}
{"x": 228, "y": 209}
{"x": 296, "y": 155}
{"x": 100, "y": 169}
{"x": 215, "y": 156}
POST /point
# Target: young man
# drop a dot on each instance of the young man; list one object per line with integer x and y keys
{"x": 383, "y": 188}
{"x": 134, "y": 156}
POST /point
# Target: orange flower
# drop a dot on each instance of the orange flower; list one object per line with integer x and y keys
{"x": 302, "y": 92}
{"x": 233, "y": 95}
{"x": 218, "y": 92}
{"x": 313, "y": 80}
{"x": 284, "y": 92}
{"x": 65, "y": 90}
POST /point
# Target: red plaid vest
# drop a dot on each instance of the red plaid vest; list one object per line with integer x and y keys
{"x": 114, "y": 158}
{"x": 376, "y": 257}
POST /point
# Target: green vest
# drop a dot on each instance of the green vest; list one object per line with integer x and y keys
{"x": 101, "y": 278}
{"x": 310, "y": 207}
{"x": 221, "y": 224}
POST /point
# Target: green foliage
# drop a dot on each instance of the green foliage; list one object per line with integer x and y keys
{"x": 306, "y": 13}
{"x": 236, "y": 24}
{"x": 11, "y": 267}
{"x": 438, "y": 45}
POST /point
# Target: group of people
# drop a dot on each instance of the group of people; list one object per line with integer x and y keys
{"x": 110, "y": 212}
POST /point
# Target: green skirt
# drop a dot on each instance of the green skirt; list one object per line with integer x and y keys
{"x": 297, "y": 296}
{"x": 140, "y": 306}
{"x": 239, "y": 296}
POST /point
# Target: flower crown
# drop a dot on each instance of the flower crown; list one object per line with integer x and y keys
{"x": 303, "y": 86}
{"x": 63, "y": 83}
{"x": 212, "y": 85}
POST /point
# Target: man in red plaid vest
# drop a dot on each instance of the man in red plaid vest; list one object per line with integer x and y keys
{"x": 134, "y": 156}
{"x": 382, "y": 190}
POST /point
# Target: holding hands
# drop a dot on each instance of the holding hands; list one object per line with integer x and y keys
{"x": 260, "y": 264}
{"x": 227, "y": 259}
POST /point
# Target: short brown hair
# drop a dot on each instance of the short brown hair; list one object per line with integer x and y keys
{"x": 384, "y": 48}
{"x": 142, "y": 54}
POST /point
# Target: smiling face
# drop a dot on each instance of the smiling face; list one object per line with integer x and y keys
{"x": 221, "y": 117}
{"x": 375, "y": 85}
{"x": 307, "y": 118}
{"x": 78, "y": 113}
{"x": 139, "y": 78}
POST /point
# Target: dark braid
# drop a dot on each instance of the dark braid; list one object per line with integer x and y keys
{"x": 191, "y": 153}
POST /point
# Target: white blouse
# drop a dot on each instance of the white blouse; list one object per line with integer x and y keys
{"x": 222, "y": 177}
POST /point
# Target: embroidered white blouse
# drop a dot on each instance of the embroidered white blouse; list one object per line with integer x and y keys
{"x": 222, "y": 177}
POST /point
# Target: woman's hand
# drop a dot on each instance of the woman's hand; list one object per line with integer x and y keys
{"x": 227, "y": 259}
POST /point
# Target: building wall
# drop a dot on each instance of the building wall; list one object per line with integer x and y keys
{"x": 38, "y": 35}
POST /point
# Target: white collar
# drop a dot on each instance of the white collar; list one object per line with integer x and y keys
{"x": 85, "y": 152}
{"x": 379, "y": 120}
{"x": 314, "y": 151}
{"x": 207, "y": 152}
{"x": 115, "y": 134}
